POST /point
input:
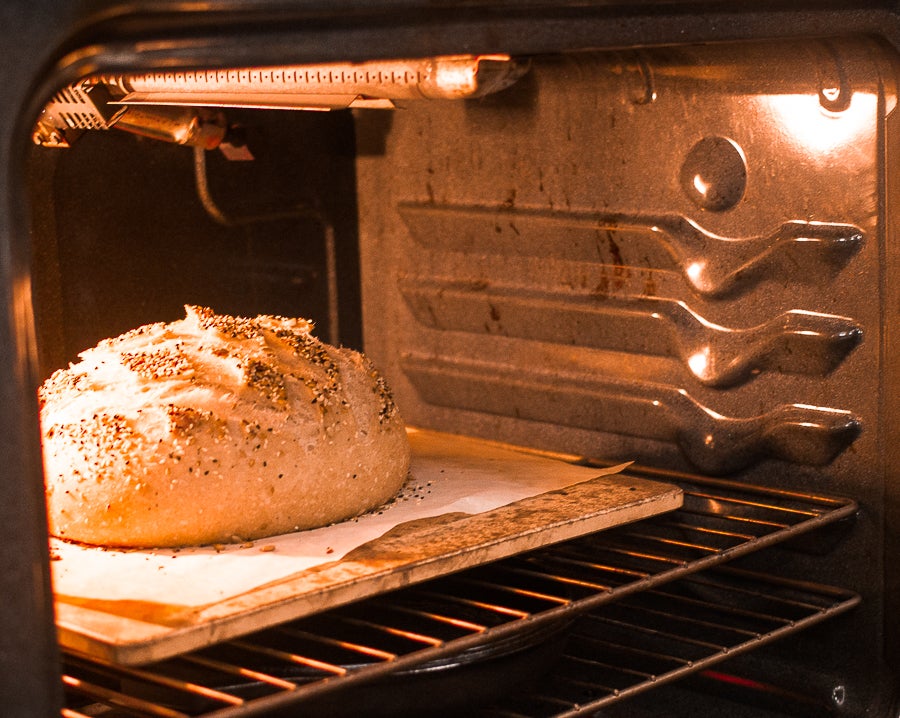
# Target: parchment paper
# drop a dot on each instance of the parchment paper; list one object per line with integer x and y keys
{"x": 449, "y": 474}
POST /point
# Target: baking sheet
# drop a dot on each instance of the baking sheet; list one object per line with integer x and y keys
{"x": 467, "y": 502}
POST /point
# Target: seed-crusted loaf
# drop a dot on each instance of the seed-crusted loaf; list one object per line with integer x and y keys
{"x": 214, "y": 429}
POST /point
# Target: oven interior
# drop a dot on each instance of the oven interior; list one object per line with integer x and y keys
{"x": 679, "y": 256}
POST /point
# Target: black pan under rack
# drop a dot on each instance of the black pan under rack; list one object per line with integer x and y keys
{"x": 474, "y": 635}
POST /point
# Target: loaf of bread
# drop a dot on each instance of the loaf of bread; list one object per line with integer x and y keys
{"x": 216, "y": 429}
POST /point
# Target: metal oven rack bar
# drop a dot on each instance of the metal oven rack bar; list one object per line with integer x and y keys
{"x": 511, "y": 608}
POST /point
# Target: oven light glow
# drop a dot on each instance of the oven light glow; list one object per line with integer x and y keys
{"x": 701, "y": 186}
{"x": 456, "y": 78}
{"x": 832, "y": 94}
{"x": 823, "y": 409}
{"x": 698, "y": 362}
{"x": 694, "y": 271}
{"x": 817, "y": 131}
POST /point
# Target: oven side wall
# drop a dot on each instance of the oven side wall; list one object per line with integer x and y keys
{"x": 29, "y": 670}
{"x": 540, "y": 267}
{"x": 891, "y": 388}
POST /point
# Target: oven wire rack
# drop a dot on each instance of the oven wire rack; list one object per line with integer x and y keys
{"x": 628, "y": 608}
{"x": 653, "y": 638}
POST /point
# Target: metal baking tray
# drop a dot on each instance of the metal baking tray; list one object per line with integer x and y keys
{"x": 468, "y": 502}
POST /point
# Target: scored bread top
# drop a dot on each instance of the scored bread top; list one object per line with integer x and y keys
{"x": 254, "y": 415}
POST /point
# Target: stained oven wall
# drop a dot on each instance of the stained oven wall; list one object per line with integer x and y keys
{"x": 675, "y": 256}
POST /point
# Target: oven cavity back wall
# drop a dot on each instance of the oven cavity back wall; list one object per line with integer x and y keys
{"x": 664, "y": 247}
{"x": 677, "y": 256}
